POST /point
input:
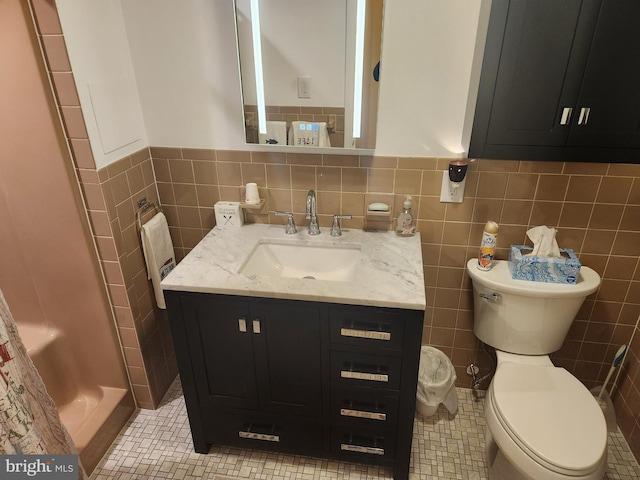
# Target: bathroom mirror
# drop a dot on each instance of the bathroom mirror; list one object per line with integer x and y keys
{"x": 310, "y": 71}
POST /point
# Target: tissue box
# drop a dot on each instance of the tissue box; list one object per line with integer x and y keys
{"x": 228, "y": 214}
{"x": 543, "y": 269}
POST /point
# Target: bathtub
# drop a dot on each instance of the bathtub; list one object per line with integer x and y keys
{"x": 89, "y": 412}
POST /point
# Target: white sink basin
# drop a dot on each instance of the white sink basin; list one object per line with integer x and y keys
{"x": 319, "y": 262}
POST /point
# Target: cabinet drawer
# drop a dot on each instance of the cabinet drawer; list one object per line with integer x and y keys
{"x": 364, "y": 407}
{"x": 381, "y": 371}
{"x": 365, "y": 327}
{"x": 274, "y": 432}
{"x": 366, "y": 445}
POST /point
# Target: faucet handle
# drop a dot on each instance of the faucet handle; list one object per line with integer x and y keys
{"x": 335, "y": 228}
{"x": 290, "y": 227}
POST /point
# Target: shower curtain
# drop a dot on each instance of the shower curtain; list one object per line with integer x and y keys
{"x": 29, "y": 420}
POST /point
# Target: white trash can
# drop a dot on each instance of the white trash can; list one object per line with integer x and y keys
{"x": 436, "y": 383}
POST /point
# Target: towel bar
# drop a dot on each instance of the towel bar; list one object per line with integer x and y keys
{"x": 144, "y": 205}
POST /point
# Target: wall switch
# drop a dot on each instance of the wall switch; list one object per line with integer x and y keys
{"x": 304, "y": 87}
{"x": 451, "y": 192}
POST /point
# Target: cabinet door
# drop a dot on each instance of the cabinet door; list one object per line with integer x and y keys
{"x": 540, "y": 47}
{"x": 220, "y": 334}
{"x": 288, "y": 356}
{"x": 609, "y": 100}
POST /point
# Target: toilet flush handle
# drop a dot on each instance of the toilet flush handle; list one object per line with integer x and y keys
{"x": 492, "y": 297}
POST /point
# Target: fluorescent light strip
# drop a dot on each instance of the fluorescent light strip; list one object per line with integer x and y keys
{"x": 257, "y": 65}
{"x": 357, "y": 88}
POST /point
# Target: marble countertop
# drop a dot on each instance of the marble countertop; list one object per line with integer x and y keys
{"x": 389, "y": 272}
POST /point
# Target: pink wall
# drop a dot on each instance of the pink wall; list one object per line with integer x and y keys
{"x": 50, "y": 272}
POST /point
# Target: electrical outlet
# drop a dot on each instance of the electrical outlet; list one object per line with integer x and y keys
{"x": 451, "y": 192}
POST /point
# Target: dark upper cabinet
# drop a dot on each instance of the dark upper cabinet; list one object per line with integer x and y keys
{"x": 560, "y": 81}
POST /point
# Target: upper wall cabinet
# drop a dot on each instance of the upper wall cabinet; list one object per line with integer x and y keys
{"x": 560, "y": 81}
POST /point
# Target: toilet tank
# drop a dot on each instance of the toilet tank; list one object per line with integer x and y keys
{"x": 524, "y": 317}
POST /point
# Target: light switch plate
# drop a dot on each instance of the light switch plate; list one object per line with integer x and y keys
{"x": 304, "y": 87}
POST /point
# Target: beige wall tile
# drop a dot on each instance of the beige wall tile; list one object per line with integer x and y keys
{"x": 614, "y": 190}
{"x": 181, "y": 171}
{"x": 303, "y": 177}
{"x": 380, "y": 180}
{"x": 329, "y": 178}
{"x": 229, "y": 173}
{"x": 278, "y": 176}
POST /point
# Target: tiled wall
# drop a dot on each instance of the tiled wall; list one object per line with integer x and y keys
{"x": 595, "y": 206}
{"x": 144, "y": 330}
{"x": 110, "y": 196}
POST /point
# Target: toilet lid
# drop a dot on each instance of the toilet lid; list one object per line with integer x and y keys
{"x": 551, "y": 415}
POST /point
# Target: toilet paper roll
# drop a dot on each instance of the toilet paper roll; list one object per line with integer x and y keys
{"x": 251, "y": 194}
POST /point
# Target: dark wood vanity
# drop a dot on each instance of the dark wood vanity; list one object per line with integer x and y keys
{"x": 310, "y": 378}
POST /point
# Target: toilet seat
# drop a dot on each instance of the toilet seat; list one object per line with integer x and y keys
{"x": 552, "y": 417}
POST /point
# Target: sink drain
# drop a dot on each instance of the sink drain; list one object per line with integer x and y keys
{"x": 309, "y": 277}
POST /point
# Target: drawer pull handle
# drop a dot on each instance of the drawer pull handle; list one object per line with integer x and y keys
{"x": 584, "y": 115}
{"x": 347, "y": 412}
{"x": 256, "y": 326}
{"x": 351, "y": 332}
{"x": 361, "y": 449}
{"x": 375, "y": 377}
{"x": 566, "y": 115}
{"x": 259, "y": 436}
{"x": 242, "y": 325}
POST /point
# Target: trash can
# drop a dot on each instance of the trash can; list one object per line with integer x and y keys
{"x": 436, "y": 383}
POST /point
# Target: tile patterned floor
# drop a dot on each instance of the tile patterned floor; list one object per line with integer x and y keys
{"x": 157, "y": 445}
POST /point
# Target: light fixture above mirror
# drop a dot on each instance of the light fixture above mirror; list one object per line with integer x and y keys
{"x": 310, "y": 71}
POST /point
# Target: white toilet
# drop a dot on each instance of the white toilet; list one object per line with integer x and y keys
{"x": 542, "y": 423}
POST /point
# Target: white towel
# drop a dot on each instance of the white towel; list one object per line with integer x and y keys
{"x": 276, "y": 134}
{"x": 158, "y": 253}
{"x": 309, "y": 134}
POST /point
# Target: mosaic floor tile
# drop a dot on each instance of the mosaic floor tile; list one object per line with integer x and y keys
{"x": 157, "y": 445}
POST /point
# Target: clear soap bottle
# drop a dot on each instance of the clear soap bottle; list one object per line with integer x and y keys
{"x": 404, "y": 225}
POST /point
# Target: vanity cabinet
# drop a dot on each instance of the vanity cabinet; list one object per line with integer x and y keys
{"x": 560, "y": 81}
{"x": 320, "y": 379}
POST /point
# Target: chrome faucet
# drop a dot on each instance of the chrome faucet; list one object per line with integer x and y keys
{"x": 314, "y": 228}
{"x": 336, "y": 231}
{"x": 290, "y": 228}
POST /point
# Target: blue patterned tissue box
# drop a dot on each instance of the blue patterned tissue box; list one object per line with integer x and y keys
{"x": 543, "y": 269}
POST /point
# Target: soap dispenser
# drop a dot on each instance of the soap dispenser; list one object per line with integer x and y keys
{"x": 404, "y": 225}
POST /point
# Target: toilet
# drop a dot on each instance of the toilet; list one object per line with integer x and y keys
{"x": 542, "y": 422}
